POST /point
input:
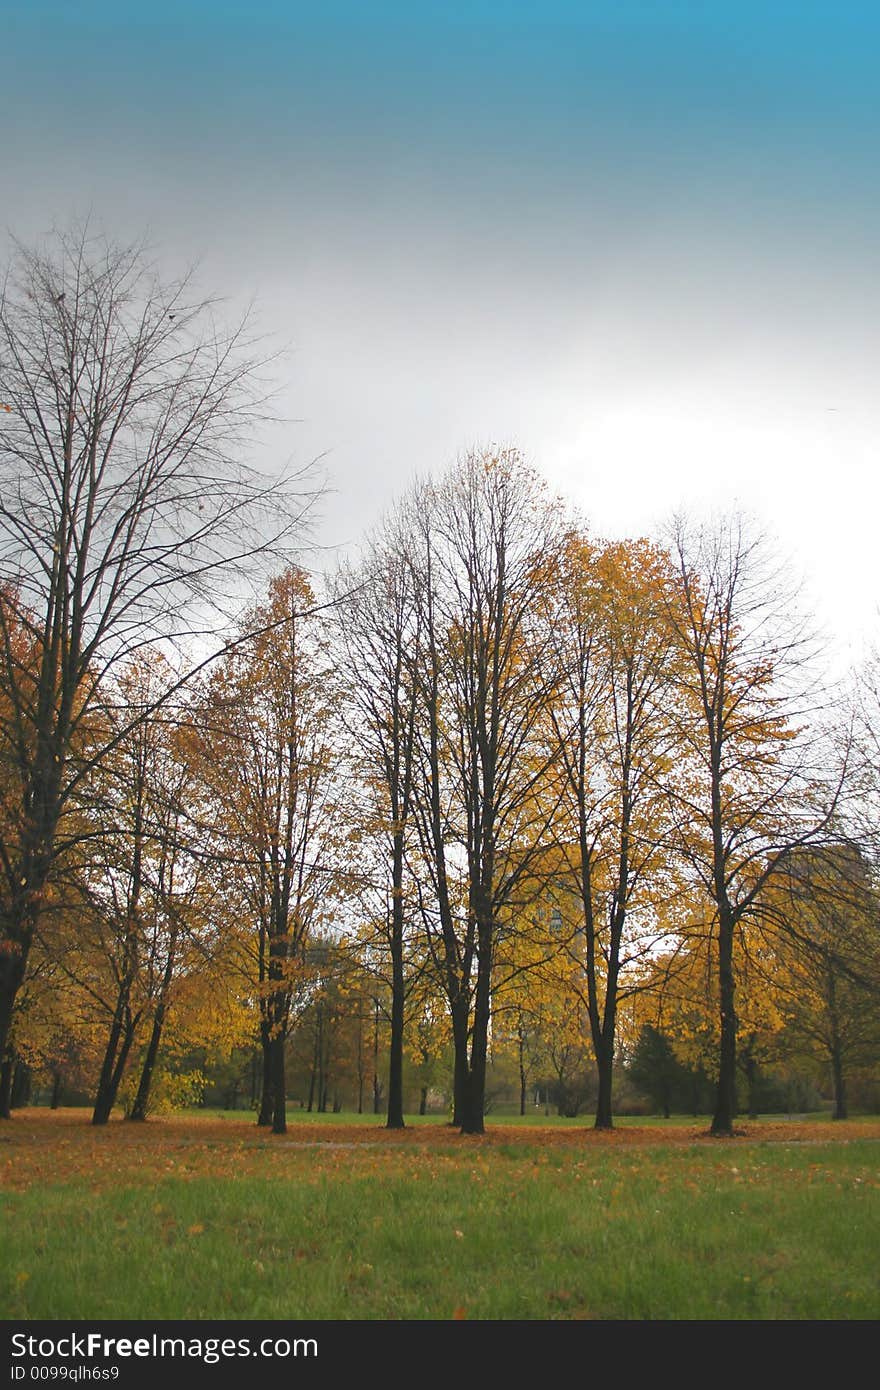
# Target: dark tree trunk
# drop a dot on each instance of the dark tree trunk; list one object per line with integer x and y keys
{"x": 317, "y": 1071}
{"x": 605, "y": 1070}
{"x": 423, "y": 1101}
{"x": 725, "y": 1101}
{"x": 522, "y": 1075}
{"x": 840, "y": 1111}
{"x": 750, "y": 1067}
{"x": 256, "y": 1071}
{"x": 112, "y": 1071}
{"x": 119, "y": 1043}
{"x": 473, "y": 1119}
{"x": 142, "y": 1099}
{"x": 57, "y": 1089}
{"x": 278, "y": 1086}
{"x": 460, "y": 1062}
{"x": 264, "y": 1117}
{"x": 6, "y": 1070}
{"x": 19, "y": 922}
{"x": 395, "y": 1061}
{"x": 361, "y": 1068}
{"x": 21, "y": 1086}
{"x": 12, "y": 967}
{"x": 377, "y": 1091}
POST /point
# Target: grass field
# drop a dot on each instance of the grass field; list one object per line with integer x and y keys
{"x": 207, "y": 1217}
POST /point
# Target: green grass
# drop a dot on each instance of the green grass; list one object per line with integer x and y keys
{"x": 516, "y": 1231}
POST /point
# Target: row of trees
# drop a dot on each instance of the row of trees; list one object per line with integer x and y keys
{"x": 511, "y": 774}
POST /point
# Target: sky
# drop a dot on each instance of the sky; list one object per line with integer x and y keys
{"x": 638, "y": 241}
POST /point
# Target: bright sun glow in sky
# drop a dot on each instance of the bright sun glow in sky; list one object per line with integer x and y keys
{"x": 640, "y": 241}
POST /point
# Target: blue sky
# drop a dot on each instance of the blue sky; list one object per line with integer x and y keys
{"x": 640, "y": 241}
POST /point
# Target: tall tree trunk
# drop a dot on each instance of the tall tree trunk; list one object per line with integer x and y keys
{"x": 12, "y": 967}
{"x": 377, "y": 1093}
{"x": 473, "y": 1120}
{"x": 57, "y": 1088}
{"x": 264, "y": 1118}
{"x": 460, "y": 1060}
{"x": 142, "y": 1099}
{"x": 423, "y": 1101}
{"x": 19, "y": 922}
{"x": 725, "y": 1101}
{"x": 279, "y": 1087}
{"x": 840, "y": 1111}
{"x": 21, "y": 1086}
{"x": 395, "y": 1063}
{"x": 105, "y": 1096}
{"x": 6, "y": 1070}
{"x": 361, "y": 1068}
{"x": 522, "y": 1073}
{"x": 115, "y": 1058}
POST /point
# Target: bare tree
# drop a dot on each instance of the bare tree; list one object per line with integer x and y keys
{"x": 125, "y": 512}
{"x": 486, "y": 540}
{"x": 749, "y": 787}
{"x": 380, "y": 637}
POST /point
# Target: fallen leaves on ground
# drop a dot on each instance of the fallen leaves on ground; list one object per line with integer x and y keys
{"x": 42, "y": 1147}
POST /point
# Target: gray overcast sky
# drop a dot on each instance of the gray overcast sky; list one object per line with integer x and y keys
{"x": 638, "y": 241}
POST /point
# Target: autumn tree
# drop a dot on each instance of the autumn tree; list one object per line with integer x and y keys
{"x": 748, "y": 786}
{"x": 269, "y": 741}
{"x": 823, "y": 919}
{"x": 613, "y": 739}
{"x": 121, "y": 915}
{"x": 185, "y": 895}
{"x": 428, "y": 1038}
{"x": 526, "y": 1007}
{"x": 484, "y": 539}
{"x": 125, "y": 512}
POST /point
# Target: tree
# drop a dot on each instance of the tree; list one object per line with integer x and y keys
{"x": 613, "y": 739}
{"x": 655, "y": 1069}
{"x": 268, "y": 739}
{"x": 182, "y": 891}
{"x": 380, "y": 640}
{"x": 824, "y": 917}
{"x": 484, "y": 541}
{"x": 125, "y": 513}
{"x": 747, "y": 788}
